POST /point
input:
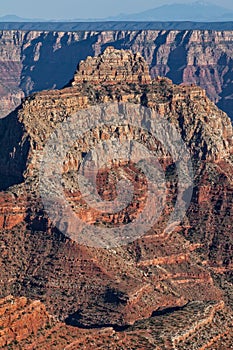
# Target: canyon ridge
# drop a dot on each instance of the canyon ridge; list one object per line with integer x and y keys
{"x": 32, "y": 61}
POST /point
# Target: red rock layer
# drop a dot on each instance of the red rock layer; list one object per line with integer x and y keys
{"x": 98, "y": 287}
{"x": 26, "y": 324}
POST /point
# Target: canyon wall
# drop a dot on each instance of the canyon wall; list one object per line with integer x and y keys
{"x": 167, "y": 289}
{"x": 32, "y": 61}
{"x": 87, "y": 286}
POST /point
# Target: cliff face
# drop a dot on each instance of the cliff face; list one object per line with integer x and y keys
{"x": 98, "y": 287}
{"x": 114, "y": 66}
{"x": 34, "y": 61}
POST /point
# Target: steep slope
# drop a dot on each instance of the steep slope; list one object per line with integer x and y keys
{"x": 160, "y": 272}
{"x": 29, "y": 326}
{"x": 37, "y": 60}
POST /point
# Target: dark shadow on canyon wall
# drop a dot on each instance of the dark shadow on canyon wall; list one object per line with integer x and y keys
{"x": 226, "y": 96}
{"x": 14, "y": 150}
{"x": 55, "y": 67}
{"x": 50, "y": 62}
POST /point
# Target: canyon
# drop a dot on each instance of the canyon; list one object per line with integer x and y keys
{"x": 164, "y": 290}
{"x": 38, "y": 60}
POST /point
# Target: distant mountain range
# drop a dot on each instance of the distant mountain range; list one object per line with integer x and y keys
{"x": 13, "y": 18}
{"x": 199, "y": 11}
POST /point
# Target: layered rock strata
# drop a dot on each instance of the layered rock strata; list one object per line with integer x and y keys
{"x": 161, "y": 271}
{"x": 36, "y": 60}
{"x": 26, "y": 324}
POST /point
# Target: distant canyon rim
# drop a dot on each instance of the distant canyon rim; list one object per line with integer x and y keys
{"x": 33, "y": 61}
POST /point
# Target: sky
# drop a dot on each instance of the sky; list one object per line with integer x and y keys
{"x": 68, "y": 9}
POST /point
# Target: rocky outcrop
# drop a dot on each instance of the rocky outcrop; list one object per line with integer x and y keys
{"x": 26, "y": 324}
{"x": 36, "y": 60}
{"x": 20, "y": 319}
{"x": 161, "y": 271}
{"x": 113, "y": 67}
{"x": 13, "y": 210}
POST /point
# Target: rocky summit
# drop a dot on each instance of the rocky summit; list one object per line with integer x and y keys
{"x": 114, "y": 66}
{"x": 167, "y": 289}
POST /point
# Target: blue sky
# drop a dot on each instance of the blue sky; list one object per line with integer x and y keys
{"x": 57, "y": 9}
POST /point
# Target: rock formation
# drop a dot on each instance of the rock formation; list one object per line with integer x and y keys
{"x": 163, "y": 278}
{"x": 26, "y": 324}
{"x": 36, "y": 60}
{"x": 113, "y": 67}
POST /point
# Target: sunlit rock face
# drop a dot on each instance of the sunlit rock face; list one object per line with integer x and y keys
{"x": 179, "y": 280}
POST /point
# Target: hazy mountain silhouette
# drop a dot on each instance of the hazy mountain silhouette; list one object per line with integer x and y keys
{"x": 199, "y": 11}
{"x": 14, "y": 18}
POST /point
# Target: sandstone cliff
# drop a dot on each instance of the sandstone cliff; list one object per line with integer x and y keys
{"x": 34, "y": 61}
{"x": 161, "y": 272}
